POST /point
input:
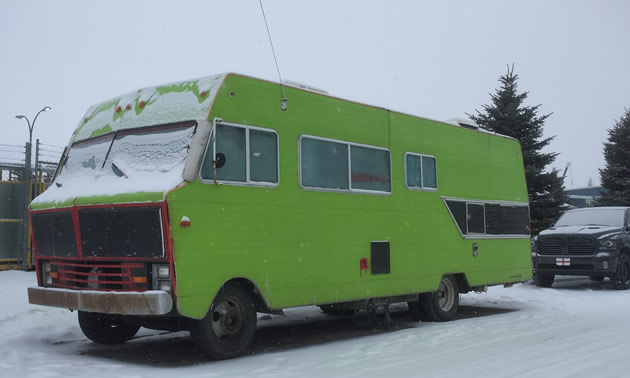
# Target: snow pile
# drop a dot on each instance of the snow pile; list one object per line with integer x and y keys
{"x": 175, "y": 102}
{"x": 576, "y": 329}
{"x": 152, "y": 161}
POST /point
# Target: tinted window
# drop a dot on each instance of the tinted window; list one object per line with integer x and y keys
{"x": 233, "y": 163}
{"x": 429, "y": 174}
{"x": 414, "y": 178}
{"x": 324, "y": 164}
{"x": 421, "y": 171}
{"x": 458, "y": 210}
{"x": 476, "y": 218}
{"x": 370, "y": 169}
{"x": 507, "y": 220}
{"x": 231, "y": 143}
{"x": 263, "y": 156}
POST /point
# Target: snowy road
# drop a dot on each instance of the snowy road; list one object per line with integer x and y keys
{"x": 576, "y": 329}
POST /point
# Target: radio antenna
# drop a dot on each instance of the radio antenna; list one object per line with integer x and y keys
{"x": 283, "y": 101}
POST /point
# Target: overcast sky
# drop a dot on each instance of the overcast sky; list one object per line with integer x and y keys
{"x": 437, "y": 59}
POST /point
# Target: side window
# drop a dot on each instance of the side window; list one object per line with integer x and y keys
{"x": 263, "y": 156}
{"x": 342, "y": 166}
{"x": 324, "y": 164}
{"x": 480, "y": 219}
{"x": 475, "y": 218}
{"x": 420, "y": 171}
{"x": 370, "y": 169}
{"x": 243, "y": 154}
{"x": 231, "y": 145}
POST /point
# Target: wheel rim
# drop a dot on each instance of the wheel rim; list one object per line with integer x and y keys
{"x": 228, "y": 318}
{"x": 446, "y": 295}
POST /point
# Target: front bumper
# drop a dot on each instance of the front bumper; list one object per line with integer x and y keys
{"x": 152, "y": 302}
{"x": 601, "y": 264}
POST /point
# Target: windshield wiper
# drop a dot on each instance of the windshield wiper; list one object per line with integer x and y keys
{"x": 117, "y": 171}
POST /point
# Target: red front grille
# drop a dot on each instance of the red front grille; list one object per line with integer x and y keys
{"x": 97, "y": 276}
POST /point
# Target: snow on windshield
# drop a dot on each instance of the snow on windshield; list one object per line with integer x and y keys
{"x": 145, "y": 161}
{"x": 600, "y": 217}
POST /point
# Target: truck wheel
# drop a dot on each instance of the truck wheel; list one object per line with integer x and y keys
{"x": 622, "y": 275}
{"x": 441, "y": 306}
{"x": 543, "y": 280}
{"x": 106, "y": 328}
{"x": 229, "y": 327}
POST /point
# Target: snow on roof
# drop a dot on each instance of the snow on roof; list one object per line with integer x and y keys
{"x": 174, "y": 102}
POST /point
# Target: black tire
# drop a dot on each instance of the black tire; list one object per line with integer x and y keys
{"x": 416, "y": 313}
{"x": 597, "y": 278}
{"x": 106, "y": 328}
{"x": 334, "y": 310}
{"x": 441, "y": 305}
{"x": 543, "y": 280}
{"x": 229, "y": 327}
{"x": 621, "y": 278}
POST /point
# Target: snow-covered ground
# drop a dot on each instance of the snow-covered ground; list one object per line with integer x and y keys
{"x": 576, "y": 329}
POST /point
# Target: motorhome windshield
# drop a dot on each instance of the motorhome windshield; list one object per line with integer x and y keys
{"x": 130, "y": 161}
{"x": 599, "y": 217}
{"x": 144, "y": 150}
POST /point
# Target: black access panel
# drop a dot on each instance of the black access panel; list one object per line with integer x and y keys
{"x": 380, "y": 257}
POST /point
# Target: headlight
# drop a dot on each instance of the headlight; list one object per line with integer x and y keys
{"x": 161, "y": 277}
{"x": 607, "y": 244}
{"x": 46, "y": 274}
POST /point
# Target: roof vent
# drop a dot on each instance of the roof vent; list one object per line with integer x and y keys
{"x": 463, "y": 122}
{"x": 304, "y": 86}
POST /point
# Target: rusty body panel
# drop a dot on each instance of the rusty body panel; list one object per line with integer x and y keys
{"x": 153, "y": 302}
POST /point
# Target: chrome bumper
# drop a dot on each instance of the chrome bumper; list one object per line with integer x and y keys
{"x": 153, "y": 302}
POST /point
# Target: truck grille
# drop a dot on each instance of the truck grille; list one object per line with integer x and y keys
{"x": 562, "y": 245}
{"x": 53, "y": 233}
{"x": 98, "y": 276}
{"x": 104, "y": 232}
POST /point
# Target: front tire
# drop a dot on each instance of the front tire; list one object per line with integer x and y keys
{"x": 622, "y": 275}
{"x": 441, "y": 305}
{"x": 106, "y": 328}
{"x": 229, "y": 327}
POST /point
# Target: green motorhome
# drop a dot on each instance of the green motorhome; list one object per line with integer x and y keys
{"x": 196, "y": 204}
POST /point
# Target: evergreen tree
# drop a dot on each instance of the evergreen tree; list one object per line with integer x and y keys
{"x": 508, "y": 115}
{"x": 616, "y": 175}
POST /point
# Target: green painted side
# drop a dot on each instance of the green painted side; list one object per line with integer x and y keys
{"x": 303, "y": 247}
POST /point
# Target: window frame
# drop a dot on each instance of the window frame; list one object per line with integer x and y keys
{"x": 248, "y": 181}
{"x": 484, "y": 202}
{"x": 421, "y": 188}
{"x": 349, "y": 145}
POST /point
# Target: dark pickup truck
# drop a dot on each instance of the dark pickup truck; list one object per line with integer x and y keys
{"x": 592, "y": 242}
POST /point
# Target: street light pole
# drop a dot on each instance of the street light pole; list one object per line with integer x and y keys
{"x": 32, "y": 125}
{"x": 27, "y": 186}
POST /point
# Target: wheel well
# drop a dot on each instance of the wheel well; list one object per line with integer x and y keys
{"x": 252, "y": 290}
{"x": 462, "y": 283}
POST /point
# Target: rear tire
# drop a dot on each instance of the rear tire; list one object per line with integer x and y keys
{"x": 622, "y": 275}
{"x": 106, "y": 328}
{"x": 543, "y": 280}
{"x": 229, "y": 327}
{"x": 441, "y": 305}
